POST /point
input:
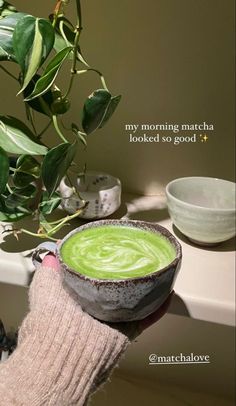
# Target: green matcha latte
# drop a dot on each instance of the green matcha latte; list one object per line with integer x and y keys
{"x": 116, "y": 252}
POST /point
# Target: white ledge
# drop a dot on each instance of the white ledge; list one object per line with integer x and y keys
{"x": 205, "y": 286}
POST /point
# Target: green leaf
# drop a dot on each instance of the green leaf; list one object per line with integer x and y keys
{"x": 6, "y": 9}
{"x": 21, "y": 179}
{"x": 41, "y": 104}
{"x": 66, "y": 29}
{"x": 11, "y": 215}
{"x": 44, "y": 223}
{"x": 110, "y": 110}
{"x": 4, "y": 169}
{"x": 7, "y": 26}
{"x": 48, "y": 204}
{"x": 81, "y": 136}
{"x": 65, "y": 36}
{"x": 80, "y": 57}
{"x": 27, "y": 170}
{"x": 60, "y": 43}
{"x": 98, "y": 108}
{"x": 60, "y": 104}
{"x": 55, "y": 164}
{"x": 50, "y": 74}
{"x": 29, "y": 165}
{"x": 33, "y": 39}
{"x": 12, "y": 162}
{"x": 16, "y": 138}
{"x": 95, "y": 109}
{"x": 20, "y": 196}
{"x": 26, "y": 192}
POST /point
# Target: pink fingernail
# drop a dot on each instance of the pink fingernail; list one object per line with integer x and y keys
{"x": 50, "y": 261}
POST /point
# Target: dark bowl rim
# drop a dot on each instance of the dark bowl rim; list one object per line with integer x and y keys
{"x": 149, "y": 225}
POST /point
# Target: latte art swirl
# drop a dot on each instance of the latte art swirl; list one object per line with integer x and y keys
{"x": 116, "y": 252}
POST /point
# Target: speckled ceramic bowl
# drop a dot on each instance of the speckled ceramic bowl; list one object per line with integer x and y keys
{"x": 123, "y": 299}
{"x": 101, "y": 190}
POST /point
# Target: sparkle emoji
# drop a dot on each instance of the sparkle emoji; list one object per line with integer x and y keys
{"x": 204, "y": 138}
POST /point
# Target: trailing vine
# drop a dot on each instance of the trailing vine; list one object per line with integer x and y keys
{"x": 30, "y": 170}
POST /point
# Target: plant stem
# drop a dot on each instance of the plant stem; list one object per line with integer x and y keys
{"x": 39, "y": 235}
{"x": 79, "y": 72}
{"x": 54, "y": 229}
{"x": 76, "y": 43}
{"x": 67, "y": 218}
{"x": 9, "y": 73}
{"x": 56, "y": 126}
{"x": 9, "y": 188}
{"x": 56, "y": 12}
{"x": 79, "y": 13}
{"x": 75, "y": 189}
{"x": 37, "y": 199}
{"x": 31, "y": 119}
{"x": 44, "y": 129}
{"x": 63, "y": 33}
{"x": 78, "y": 30}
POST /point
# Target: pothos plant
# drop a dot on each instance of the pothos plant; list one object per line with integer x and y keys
{"x": 30, "y": 170}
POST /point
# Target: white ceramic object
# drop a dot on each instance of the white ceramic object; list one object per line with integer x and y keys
{"x": 102, "y": 191}
{"x": 202, "y": 208}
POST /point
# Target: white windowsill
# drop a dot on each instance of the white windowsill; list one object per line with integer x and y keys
{"x": 205, "y": 287}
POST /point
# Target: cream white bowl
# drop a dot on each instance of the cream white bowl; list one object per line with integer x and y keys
{"x": 202, "y": 208}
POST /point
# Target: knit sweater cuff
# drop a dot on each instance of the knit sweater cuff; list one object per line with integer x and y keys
{"x": 62, "y": 354}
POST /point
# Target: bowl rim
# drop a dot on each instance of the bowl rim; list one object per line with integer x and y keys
{"x": 88, "y": 174}
{"x": 156, "y": 227}
{"x": 195, "y": 206}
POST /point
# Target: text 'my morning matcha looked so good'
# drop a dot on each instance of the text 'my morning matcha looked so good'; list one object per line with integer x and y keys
{"x": 116, "y": 252}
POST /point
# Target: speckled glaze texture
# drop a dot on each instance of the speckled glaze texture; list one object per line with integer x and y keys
{"x": 123, "y": 299}
{"x": 101, "y": 190}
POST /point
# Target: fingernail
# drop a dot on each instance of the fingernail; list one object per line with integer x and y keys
{"x": 50, "y": 261}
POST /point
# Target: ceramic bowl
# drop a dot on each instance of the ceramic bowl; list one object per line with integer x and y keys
{"x": 123, "y": 299}
{"x": 101, "y": 190}
{"x": 202, "y": 208}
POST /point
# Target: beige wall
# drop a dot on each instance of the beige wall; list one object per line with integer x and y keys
{"x": 172, "y": 60}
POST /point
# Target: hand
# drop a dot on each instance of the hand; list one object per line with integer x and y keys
{"x": 131, "y": 329}
{"x": 58, "y": 326}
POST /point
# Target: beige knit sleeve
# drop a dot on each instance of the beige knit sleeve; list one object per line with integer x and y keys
{"x": 63, "y": 354}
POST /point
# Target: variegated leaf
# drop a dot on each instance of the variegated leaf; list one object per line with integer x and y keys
{"x": 55, "y": 164}
{"x": 98, "y": 109}
{"x": 6, "y": 9}
{"x": 65, "y": 36}
{"x": 16, "y": 138}
{"x": 50, "y": 74}
{"x": 33, "y": 39}
{"x": 7, "y": 26}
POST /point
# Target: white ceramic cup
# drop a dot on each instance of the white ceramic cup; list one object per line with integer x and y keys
{"x": 101, "y": 190}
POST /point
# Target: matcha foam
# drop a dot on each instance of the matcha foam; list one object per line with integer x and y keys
{"x": 116, "y": 252}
